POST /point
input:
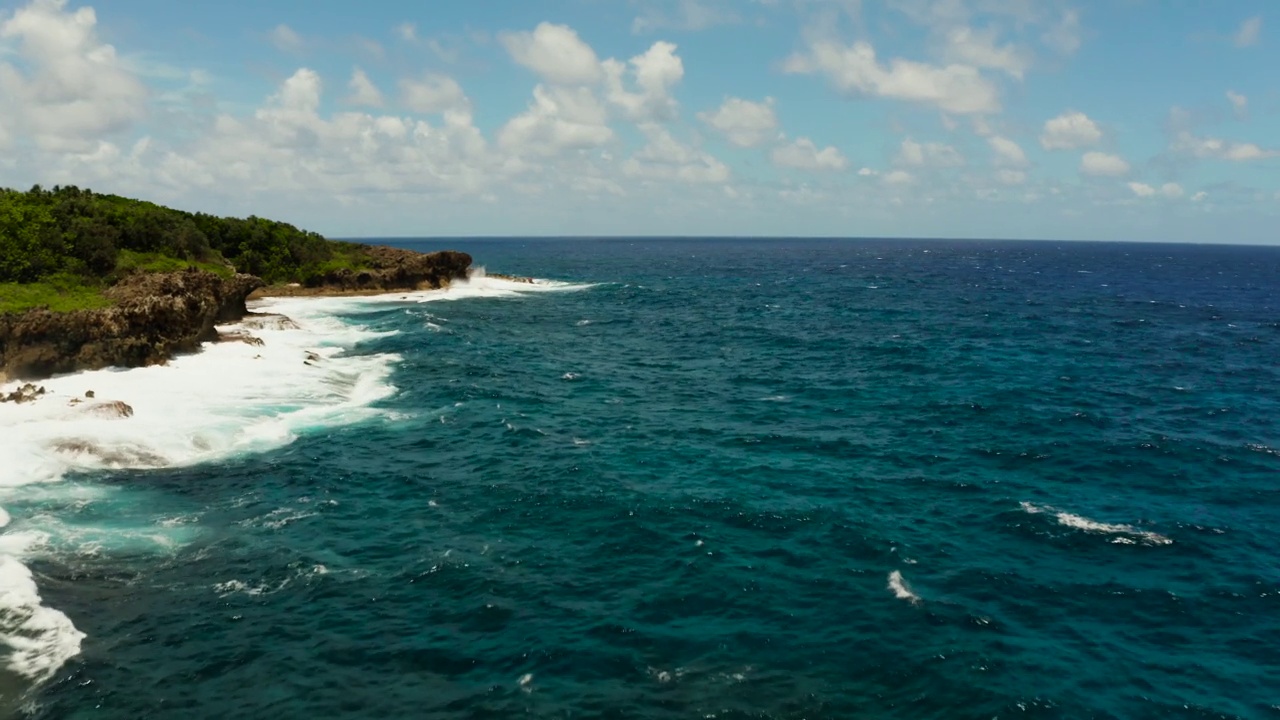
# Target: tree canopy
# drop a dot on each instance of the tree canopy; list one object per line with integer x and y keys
{"x": 72, "y": 231}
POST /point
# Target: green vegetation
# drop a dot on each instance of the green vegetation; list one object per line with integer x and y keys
{"x": 60, "y": 293}
{"x": 62, "y": 247}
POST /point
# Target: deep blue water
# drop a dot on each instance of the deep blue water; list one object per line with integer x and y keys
{"x": 692, "y": 505}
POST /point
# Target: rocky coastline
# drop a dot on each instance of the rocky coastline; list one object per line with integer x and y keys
{"x": 155, "y": 316}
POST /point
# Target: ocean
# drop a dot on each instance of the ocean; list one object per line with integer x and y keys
{"x": 676, "y": 478}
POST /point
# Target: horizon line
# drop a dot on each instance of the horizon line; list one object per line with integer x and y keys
{"x": 361, "y": 238}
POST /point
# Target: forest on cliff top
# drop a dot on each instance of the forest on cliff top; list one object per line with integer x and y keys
{"x": 62, "y": 246}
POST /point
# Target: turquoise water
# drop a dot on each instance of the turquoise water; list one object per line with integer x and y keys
{"x": 727, "y": 479}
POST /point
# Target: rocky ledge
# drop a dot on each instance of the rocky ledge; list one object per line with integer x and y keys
{"x": 155, "y": 315}
{"x": 158, "y": 315}
{"x": 390, "y": 269}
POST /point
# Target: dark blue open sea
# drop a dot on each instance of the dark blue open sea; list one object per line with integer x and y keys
{"x": 720, "y": 479}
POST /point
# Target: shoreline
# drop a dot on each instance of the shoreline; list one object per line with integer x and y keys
{"x": 297, "y": 290}
{"x": 284, "y": 291}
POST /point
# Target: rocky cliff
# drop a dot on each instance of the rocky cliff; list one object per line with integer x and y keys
{"x": 389, "y": 269}
{"x": 155, "y": 315}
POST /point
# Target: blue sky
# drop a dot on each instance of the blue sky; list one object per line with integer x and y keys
{"x": 1115, "y": 120}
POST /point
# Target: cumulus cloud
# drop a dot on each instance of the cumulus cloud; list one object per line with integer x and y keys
{"x": 1008, "y": 153}
{"x": 980, "y": 49}
{"x": 665, "y": 158}
{"x": 1070, "y": 131}
{"x": 288, "y": 147}
{"x": 1219, "y": 149}
{"x": 1103, "y": 164}
{"x": 1064, "y": 36}
{"x": 555, "y": 54}
{"x": 915, "y": 154}
{"x": 558, "y": 119}
{"x": 286, "y": 38}
{"x": 363, "y": 91}
{"x": 1239, "y": 103}
{"x": 855, "y": 70}
{"x": 1168, "y": 190}
{"x": 898, "y": 177}
{"x": 1142, "y": 189}
{"x": 743, "y": 122}
{"x": 655, "y": 72}
{"x": 1200, "y": 196}
{"x": 1249, "y": 31}
{"x": 433, "y": 93}
{"x": 687, "y": 15}
{"x": 803, "y": 154}
{"x": 1011, "y": 177}
{"x": 407, "y": 31}
{"x": 69, "y": 89}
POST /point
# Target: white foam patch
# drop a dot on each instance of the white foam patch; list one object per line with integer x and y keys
{"x": 1126, "y": 534}
{"x": 38, "y": 639}
{"x": 900, "y": 589}
{"x": 231, "y": 399}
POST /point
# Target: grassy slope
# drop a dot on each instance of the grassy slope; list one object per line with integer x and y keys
{"x": 60, "y": 293}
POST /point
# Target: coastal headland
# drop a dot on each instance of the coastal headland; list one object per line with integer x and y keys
{"x": 89, "y": 281}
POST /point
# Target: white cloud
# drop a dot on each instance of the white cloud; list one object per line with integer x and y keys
{"x": 555, "y": 53}
{"x": 1142, "y": 189}
{"x": 665, "y": 158}
{"x": 854, "y": 69}
{"x": 656, "y": 73}
{"x": 557, "y": 120}
{"x": 743, "y": 122}
{"x": 1070, "y": 131}
{"x": 979, "y": 49}
{"x": 434, "y": 93}
{"x": 1011, "y": 177}
{"x": 898, "y": 177}
{"x": 916, "y": 154}
{"x": 1008, "y": 152}
{"x": 287, "y": 148}
{"x": 1249, "y": 31}
{"x": 1064, "y": 37}
{"x": 1218, "y": 149}
{"x": 687, "y": 15}
{"x": 1200, "y": 196}
{"x": 1105, "y": 164}
{"x": 407, "y": 31}
{"x": 69, "y": 89}
{"x": 1239, "y": 103}
{"x": 285, "y": 38}
{"x": 363, "y": 91}
{"x": 805, "y": 155}
{"x": 867, "y": 172}
{"x": 1169, "y": 190}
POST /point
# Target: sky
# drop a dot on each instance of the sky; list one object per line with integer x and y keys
{"x": 1147, "y": 120}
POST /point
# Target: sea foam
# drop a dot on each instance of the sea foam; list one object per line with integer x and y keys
{"x": 900, "y": 589}
{"x": 1125, "y": 534}
{"x": 230, "y": 399}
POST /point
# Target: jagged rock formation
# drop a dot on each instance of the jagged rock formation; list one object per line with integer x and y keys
{"x": 155, "y": 316}
{"x": 388, "y": 269}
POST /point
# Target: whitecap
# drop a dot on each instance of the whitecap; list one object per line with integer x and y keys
{"x": 40, "y": 639}
{"x": 1130, "y": 534}
{"x": 900, "y": 589}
